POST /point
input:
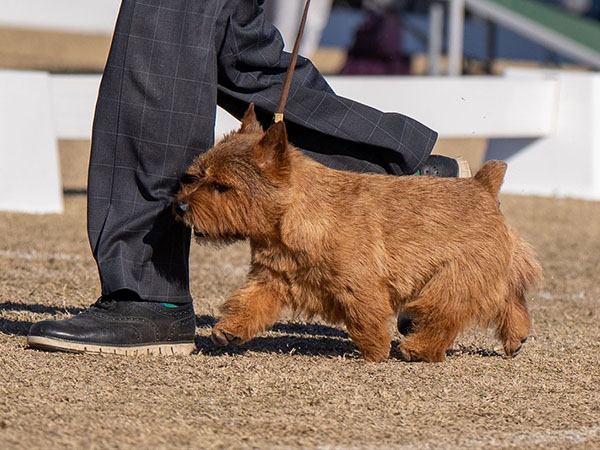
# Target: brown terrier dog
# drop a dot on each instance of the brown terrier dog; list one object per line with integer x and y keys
{"x": 359, "y": 249}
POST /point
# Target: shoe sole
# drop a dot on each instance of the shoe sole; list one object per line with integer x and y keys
{"x": 138, "y": 350}
{"x": 464, "y": 170}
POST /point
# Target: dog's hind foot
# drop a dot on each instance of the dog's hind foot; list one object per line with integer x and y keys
{"x": 428, "y": 342}
{"x": 222, "y": 338}
{"x": 406, "y": 355}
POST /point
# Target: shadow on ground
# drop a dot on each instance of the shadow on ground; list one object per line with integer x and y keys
{"x": 17, "y": 327}
{"x": 317, "y": 346}
{"x": 301, "y": 339}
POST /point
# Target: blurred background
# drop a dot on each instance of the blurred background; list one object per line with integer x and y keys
{"x": 499, "y": 79}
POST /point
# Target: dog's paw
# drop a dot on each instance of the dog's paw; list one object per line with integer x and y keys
{"x": 223, "y": 338}
{"x": 513, "y": 353}
{"x": 405, "y": 355}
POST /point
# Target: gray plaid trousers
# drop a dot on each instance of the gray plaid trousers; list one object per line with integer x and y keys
{"x": 170, "y": 62}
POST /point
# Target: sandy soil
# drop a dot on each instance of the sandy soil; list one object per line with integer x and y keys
{"x": 301, "y": 384}
{"x": 52, "y": 51}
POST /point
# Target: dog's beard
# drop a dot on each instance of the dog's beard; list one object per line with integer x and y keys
{"x": 210, "y": 240}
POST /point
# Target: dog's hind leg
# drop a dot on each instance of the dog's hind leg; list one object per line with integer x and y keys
{"x": 513, "y": 325}
{"x": 429, "y": 342}
{"x": 251, "y": 310}
{"x": 513, "y": 321}
{"x": 441, "y": 312}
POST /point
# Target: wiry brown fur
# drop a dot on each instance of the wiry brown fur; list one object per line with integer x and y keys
{"x": 358, "y": 249}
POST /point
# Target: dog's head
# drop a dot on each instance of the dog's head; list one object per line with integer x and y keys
{"x": 236, "y": 189}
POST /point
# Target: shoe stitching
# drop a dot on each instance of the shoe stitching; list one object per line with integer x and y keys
{"x": 141, "y": 320}
{"x": 181, "y": 324}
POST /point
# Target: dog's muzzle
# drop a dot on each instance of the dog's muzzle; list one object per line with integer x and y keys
{"x": 181, "y": 208}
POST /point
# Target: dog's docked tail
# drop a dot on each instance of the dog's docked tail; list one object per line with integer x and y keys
{"x": 525, "y": 270}
{"x": 491, "y": 176}
{"x": 514, "y": 323}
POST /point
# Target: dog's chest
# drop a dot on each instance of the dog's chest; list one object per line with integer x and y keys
{"x": 295, "y": 267}
{"x": 308, "y": 282}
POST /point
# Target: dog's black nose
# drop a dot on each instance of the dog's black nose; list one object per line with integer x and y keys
{"x": 181, "y": 208}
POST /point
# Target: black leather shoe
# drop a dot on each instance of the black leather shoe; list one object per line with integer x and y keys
{"x": 120, "y": 327}
{"x": 445, "y": 167}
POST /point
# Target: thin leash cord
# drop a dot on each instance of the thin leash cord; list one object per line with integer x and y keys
{"x": 290, "y": 71}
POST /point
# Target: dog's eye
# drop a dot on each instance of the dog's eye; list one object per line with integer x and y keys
{"x": 188, "y": 178}
{"x": 220, "y": 187}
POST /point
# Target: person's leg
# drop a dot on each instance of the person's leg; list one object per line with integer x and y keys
{"x": 155, "y": 113}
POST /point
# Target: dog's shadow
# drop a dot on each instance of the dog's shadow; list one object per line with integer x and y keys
{"x": 473, "y": 351}
{"x": 298, "y": 338}
{"x": 310, "y": 340}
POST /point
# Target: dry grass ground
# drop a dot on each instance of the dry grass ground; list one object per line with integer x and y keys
{"x": 52, "y": 51}
{"x": 301, "y": 384}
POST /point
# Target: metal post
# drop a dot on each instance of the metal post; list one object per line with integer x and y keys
{"x": 490, "y": 46}
{"x": 435, "y": 37}
{"x": 456, "y": 21}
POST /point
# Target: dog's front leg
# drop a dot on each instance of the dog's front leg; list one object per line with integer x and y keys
{"x": 367, "y": 323}
{"x": 248, "y": 312}
{"x": 372, "y": 338}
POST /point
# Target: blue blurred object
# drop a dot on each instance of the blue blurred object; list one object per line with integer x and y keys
{"x": 344, "y": 22}
{"x": 342, "y": 26}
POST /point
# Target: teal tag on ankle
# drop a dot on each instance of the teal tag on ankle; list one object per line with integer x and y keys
{"x": 169, "y": 305}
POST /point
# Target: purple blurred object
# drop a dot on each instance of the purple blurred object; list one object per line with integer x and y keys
{"x": 376, "y": 49}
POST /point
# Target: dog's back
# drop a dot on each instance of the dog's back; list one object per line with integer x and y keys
{"x": 439, "y": 249}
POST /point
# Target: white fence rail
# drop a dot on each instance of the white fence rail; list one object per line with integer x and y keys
{"x": 29, "y": 169}
{"x": 491, "y": 107}
{"x": 544, "y": 123}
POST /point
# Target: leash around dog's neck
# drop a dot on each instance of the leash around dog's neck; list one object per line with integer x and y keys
{"x": 290, "y": 71}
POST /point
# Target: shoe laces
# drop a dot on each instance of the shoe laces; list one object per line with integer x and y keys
{"x": 434, "y": 171}
{"x": 104, "y": 303}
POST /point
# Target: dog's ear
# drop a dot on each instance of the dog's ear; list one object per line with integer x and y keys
{"x": 271, "y": 151}
{"x": 250, "y": 123}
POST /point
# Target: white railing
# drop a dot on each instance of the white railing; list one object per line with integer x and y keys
{"x": 491, "y": 11}
{"x": 491, "y": 107}
{"x": 544, "y": 123}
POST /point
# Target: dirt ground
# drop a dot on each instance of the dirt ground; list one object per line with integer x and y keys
{"x": 301, "y": 385}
